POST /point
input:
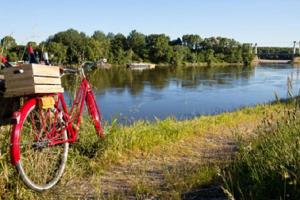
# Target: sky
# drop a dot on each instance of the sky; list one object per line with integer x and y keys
{"x": 266, "y": 22}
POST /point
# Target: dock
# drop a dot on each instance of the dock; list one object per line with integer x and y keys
{"x": 141, "y": 66}
{"x": 266, "y": 61}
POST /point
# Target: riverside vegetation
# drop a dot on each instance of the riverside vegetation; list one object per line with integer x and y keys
{"x": 268, "y": 164}
{"x": 252, "y": 153}
{"x": 71, "y": 47}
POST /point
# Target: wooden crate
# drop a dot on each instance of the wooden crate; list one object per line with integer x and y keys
{"x": 35, "y": 79}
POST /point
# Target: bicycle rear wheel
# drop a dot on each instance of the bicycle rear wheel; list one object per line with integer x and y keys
{"x": 41, "y": 164}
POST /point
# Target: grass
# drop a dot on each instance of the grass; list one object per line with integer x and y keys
{"x": 90, "y": 158}
{"x": 268, "y": 164}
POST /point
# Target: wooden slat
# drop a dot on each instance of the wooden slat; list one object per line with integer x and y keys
{"x": 19, "y": 92}
{"x": 19, "y": 84}
{"x": 11, "y": 73}
{"x": 10, "y": 84}
{"x": 47, "y": 80}
{"x": 44, "y": 70}
{"x": 32, "y": 70}
{"x": 37, "y": 89}
{"x": 48, "y": 88}
{"x": 17, "y": 78}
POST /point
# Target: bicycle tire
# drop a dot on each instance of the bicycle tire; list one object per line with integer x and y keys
{"x": 40, "y": 166}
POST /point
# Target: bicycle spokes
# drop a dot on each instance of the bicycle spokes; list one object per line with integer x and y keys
{"x": 39, "y": 131}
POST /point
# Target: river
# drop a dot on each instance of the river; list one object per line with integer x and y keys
{"x": 186, "y": 92}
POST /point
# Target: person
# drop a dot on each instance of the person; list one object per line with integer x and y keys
{"x": 5, "y": 61}
{"x": 31, "y": 55}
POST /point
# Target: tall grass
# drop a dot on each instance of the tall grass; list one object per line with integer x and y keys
{"x": 90, "y": 156}
{"x": 268, "y": 167}
{"x": 124, "y": 141}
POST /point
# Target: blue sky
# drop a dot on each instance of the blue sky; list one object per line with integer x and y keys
{"x": 267, "y": 22}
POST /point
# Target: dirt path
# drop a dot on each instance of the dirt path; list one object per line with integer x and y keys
{"x": 182, "y": 170}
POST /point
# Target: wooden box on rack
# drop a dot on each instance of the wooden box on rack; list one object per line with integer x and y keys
{"x": 30, "y": 79}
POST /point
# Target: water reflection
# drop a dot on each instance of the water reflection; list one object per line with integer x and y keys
{"x": 184, "y": 92}
{"x": 121, "y": 79}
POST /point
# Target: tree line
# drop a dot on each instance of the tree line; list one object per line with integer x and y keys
{"x": 74, "y": 47}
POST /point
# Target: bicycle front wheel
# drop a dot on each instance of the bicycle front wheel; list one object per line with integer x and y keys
{"x": 42, "y": 162}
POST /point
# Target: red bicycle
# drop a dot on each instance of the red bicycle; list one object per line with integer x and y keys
{"x": 44, "y": 128}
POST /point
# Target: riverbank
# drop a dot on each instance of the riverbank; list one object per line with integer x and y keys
{"x": 166, "y": 159}
{"x": 204, "y": 64}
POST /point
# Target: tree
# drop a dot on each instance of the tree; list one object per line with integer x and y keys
{"x": 137, "y": 42}
{"x": 209, "y": 56}
{"x": 191, "y": 41}
{"x": 247, "y": 54}
{"x": 118, "y": 50}
{"x": 210, "y": 43}
{"x": 74, "y": 47}
{"x": 101, "y": 44}
{"x": 159, "y": 49}
{"x": 20, "y": 51}
{"x": 178, "y": 41}
{"x": 8, "y": 42}
{"x": 57, "y": 52}
{"x": 12, "y": 56}
{"x": 179, "y": 55}
{"x": 75, "y": 42}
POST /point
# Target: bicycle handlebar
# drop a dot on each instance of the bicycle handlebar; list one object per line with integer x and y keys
{"x": 69, "y": 70}
{"x": 72, "y": 71}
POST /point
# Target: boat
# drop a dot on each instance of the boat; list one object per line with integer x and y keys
{"x": 141, "y": 66}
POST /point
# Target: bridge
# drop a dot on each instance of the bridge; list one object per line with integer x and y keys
{"x": 278, "y": 54}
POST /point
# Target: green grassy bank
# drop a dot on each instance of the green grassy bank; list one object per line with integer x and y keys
{"x": 91, "y": 157}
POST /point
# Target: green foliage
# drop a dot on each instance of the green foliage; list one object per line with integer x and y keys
{"x": 179, "y": 55}
{"x": 119, "y": 53}
{"x": 12, "y": 56}
{"x": 191, "y": 41}
{"x": 74, "y": 47}
{"x": 159, "y": 48}
{"x": 8, "y": 42}
{"x": 102, "y": 44}
{"x": 209, "y": 56}
{"x": 269, "y": 167}
{"x": 75, "y": 42}
{"x": 137, "y": 42}
{"x": 57, "y": 51}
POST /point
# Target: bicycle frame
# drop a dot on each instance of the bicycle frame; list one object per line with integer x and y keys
{"x": 72, "y": 119}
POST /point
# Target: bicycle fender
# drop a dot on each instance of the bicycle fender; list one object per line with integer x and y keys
{"x": 18, "y": 118}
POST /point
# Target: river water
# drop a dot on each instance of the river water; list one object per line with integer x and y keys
{"x": 187, "y": 92}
